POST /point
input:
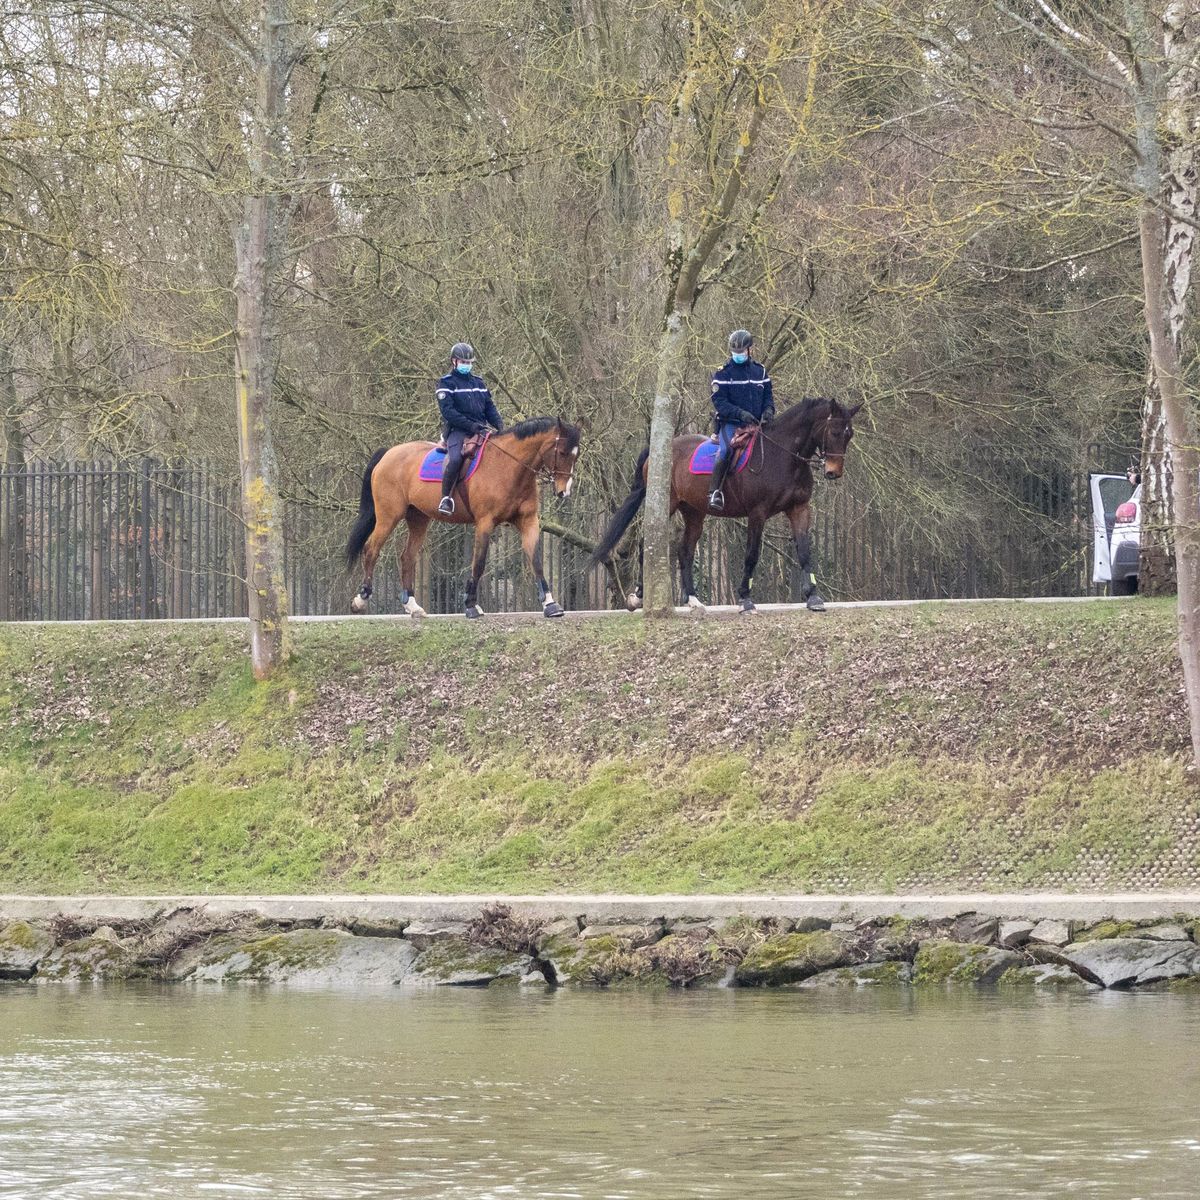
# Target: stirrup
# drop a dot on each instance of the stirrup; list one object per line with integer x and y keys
{"x": 716, "y": 499}
{"x": 447, "y": 506}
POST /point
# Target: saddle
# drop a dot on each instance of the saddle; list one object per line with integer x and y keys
{"x": 469, "y": 448}
{"x": 739, "y": 441}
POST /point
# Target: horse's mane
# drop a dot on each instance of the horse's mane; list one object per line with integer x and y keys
{"x": 798, "y": 414}
{"x": 536, "y": 425}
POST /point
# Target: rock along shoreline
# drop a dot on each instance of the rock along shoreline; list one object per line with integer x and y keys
{"x": 609, "y": 942}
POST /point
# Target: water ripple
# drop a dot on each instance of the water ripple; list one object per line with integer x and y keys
{"x": 309, "y": 1096}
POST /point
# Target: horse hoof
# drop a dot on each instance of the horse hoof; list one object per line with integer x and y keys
{"x": 554, "y": 609}
{"x": 696, "y": 606}
{"x": 633, "y": 602}
{"x": 815, "y": 603}
{"x": 358, "y": 605}
{"x": 474, "y": 612}
{"x": 748, "y": 609}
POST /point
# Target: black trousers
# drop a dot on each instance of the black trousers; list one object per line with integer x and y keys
{"x": 454, "y": 459}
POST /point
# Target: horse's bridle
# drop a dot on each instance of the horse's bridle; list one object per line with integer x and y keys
{"x": 546, "y": 474}
{"x": 817, "y": 456}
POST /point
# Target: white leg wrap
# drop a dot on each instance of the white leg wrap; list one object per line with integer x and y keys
{"x": 549, "y": 600}
{"x": 694, "y": 604}
{"x": 358, "y": 604}
{"x": 413, "y": 608}
{"x": 633, "y": 602}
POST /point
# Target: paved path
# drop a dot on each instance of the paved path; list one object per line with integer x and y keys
{"x": 714, "y": 610}
{"x": 1086, "y": 907}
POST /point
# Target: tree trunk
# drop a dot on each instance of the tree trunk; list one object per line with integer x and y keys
{"x": 683, "y": 272}
{"x": 1182, "y": 446}
{"x": 656, "y": 523}
{"x": 1156, "y": 559}
{"x": 1156, "y": 566}
{"x": 1182, "y": 443}
{"x": 256, "y": 241}
{"x": 656, "y": 520}
{"x": 14, "y": 568}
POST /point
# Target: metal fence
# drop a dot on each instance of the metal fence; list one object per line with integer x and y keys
{"x": 145, "y": 539}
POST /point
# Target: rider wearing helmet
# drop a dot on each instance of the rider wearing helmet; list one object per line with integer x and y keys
{"x": 467, "y": 408}
{"x": 741, "y": 394}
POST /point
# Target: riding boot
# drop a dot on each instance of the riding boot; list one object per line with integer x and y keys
{"x": 716, "y": 497}
{"x": 450, "y": 471}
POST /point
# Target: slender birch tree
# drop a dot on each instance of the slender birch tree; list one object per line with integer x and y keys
{"x": 1180, "y": 115}
{"x": 260, "y": 235}
{"x": 1132, "y": 81}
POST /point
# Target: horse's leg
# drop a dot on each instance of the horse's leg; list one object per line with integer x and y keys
{"x": 418, "y": 527}
{"x": 754, "y": 533}
{"x": 530, "y": 530}
{"x": 484, "y": 528}
{"x": 386, "y": 520}
{"x": 693, "y": 525}
{"x": 800, "y": 519}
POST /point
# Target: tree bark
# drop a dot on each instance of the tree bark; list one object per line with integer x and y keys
{"x": 1156, "y": 558}
{"x": 1156, "y": 567}
{"x": 1183, "y": 445}
{"x": 656, "y": 520}
{"x": 14, "y": 571}
{"x": 257, "y": 240}
{"x": 686, "y": 259}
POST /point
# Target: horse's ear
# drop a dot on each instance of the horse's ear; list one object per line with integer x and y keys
{"x": 852, "y": 412}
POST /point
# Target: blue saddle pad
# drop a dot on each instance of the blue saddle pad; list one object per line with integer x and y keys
{"x": 433, "y": 465}
{"x": 705, "y": 455}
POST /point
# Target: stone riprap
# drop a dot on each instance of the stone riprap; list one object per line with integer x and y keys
{"x": 502, "y": 946}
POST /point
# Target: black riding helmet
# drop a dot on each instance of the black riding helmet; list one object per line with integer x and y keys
{"x": 740, "y": 339}
{"x": 463, "y": 351}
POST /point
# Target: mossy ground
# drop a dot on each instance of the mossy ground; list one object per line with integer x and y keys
{"x": 996, "y": 747}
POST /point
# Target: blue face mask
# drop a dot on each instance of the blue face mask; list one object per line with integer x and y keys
{"x": 740, "y": 357}
{"x": 464, "y": 368}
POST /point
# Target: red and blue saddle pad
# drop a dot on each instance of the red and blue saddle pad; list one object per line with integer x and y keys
{"x": 433, "y": 465}
{"x": 705, "y": 455}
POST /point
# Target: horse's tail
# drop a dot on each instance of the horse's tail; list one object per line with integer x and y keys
{"x": 624, "y": 515}
{"x": 366, "y": 514}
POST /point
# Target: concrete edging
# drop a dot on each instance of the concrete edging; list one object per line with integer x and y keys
{"x": 712, "y": 610}
{"x": 616, "y": 909}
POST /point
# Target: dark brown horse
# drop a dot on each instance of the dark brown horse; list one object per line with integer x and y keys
{"x": 502, "y": 491}
{"x": 777, "y": 479}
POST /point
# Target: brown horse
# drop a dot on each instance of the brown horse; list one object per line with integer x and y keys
{"x": 502, "y": 491}
{"x": 778, "y": 478}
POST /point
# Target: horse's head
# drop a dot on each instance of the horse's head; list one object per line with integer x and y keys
{"x": 832, "y": 437}
{"x": 551, "y": 450}
{"x": 561, "y": 455}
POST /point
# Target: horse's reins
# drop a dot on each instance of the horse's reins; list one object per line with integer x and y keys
{"x": 818, "y": 456}
{"x": 544, "y": 474}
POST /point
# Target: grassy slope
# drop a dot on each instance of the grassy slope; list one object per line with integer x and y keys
{"x": 989, "y": 746}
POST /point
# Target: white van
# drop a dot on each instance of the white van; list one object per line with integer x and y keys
{"x": 1116, "y": 532}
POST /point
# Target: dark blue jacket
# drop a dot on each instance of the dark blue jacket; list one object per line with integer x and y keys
{"x": 742, "y": 386}
{"x": 466, "y": 403}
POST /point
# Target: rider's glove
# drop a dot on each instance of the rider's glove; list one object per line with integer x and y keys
{"x": 767, "y": 417}
{"x": 746, "y": 418}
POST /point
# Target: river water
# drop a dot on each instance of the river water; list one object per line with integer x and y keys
{"x": 179, "y": 1092}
